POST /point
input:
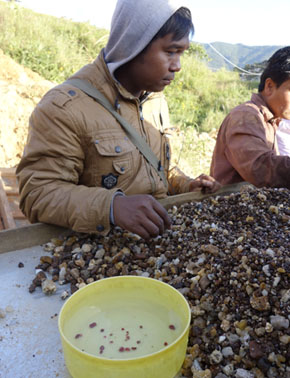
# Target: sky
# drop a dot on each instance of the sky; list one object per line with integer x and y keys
{"x": 250, "y": 22}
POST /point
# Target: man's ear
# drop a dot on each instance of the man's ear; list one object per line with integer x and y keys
{"x": 269, "y": 87}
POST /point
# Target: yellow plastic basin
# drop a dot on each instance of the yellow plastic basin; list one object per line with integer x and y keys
{"x": 125, "y": 327}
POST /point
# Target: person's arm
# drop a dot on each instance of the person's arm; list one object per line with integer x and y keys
{"x": 181, "y": 183}
{"x": 251, "y": 152}
{"x": 50, "y": 170}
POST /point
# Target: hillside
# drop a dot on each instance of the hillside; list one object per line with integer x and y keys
{"x": 20, "y": 91}
{"x": 239, "y": 54}
{"x": 54, "y": 48}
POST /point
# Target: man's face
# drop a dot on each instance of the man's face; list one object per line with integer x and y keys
{"x": 155, "y": 68}
{"x": 279, "y": 98}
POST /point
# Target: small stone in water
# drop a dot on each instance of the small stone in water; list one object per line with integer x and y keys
{"x": 121, "y": 349}
{"x": 78, "y": 335}
{"x": 102, "y": 330}
{"x": 165, "y": 344}
{"x": 92, "y": 325}
{"x": 172, "y": 327}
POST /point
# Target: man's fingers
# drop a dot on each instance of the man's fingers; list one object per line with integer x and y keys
{"x": 141, "y": 231}
{"x": 163, "y": 214}
{"x": 141, "y": 214}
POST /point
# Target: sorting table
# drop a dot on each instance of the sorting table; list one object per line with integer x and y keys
{"x": 30, "y": 343}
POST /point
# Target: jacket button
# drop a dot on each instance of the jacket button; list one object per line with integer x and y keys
{"x": 71, "y": 92}
{"x": 118, "y": 149}
{"x": 122, "y": 169}
{"x": 100, "y": 228}
{"x": 96, "y": 142}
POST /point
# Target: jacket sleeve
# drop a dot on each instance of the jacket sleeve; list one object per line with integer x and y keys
{"x": 49, "y": 172}
{"x": 250, "y": 150}
{"x": 178, "y": 182}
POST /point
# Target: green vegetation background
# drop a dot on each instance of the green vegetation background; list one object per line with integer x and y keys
{"x": 198, "y": 98}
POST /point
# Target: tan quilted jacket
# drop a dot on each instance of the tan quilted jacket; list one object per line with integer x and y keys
{"x": 77, "y": 155}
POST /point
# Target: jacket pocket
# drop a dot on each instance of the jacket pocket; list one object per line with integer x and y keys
{"x": 114, "y": 162}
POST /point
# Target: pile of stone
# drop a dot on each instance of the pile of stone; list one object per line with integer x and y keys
{"x": 229, "y": 256}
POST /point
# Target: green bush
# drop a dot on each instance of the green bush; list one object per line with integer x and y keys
{"x": 53, "y": 47}
{"x": 201, "y": 98}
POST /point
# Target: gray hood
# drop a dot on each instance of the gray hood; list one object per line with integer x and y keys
{"x": 134, "y": 24}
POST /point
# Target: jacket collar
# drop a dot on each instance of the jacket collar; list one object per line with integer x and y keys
{"x": 258, "y": 100}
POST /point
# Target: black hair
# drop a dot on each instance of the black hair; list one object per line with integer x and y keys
{"x": 277, "y": 69}
{"x": 179, "y": 24}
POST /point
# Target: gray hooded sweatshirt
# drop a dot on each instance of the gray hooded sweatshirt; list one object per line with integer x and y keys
{"x": 134, "y": 24}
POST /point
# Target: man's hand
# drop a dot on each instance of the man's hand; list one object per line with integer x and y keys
{"x": 141, "y": 214}
{"x": 206, "y": 183}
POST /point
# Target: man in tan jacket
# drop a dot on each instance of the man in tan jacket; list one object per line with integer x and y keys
{"x": 79, "y": 169}
{"x": 247, "y": 148}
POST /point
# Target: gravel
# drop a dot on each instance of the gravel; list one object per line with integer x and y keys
{"x": 229, "y": 256}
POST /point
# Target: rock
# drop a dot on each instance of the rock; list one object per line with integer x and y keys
{"x": 260, "y": 303}
{"x": 187, "y": 363}
{"x": 197, "y": 311}
{"x": 285, "y": 339}
{"x": 255, "y": 350}
{"x": 64, "y": 294}
{"x": 100, "y": 253}
{"x": 87, "y": 248}
{"x": 204, "y": 282}
{"x": 225, "y": 325}
{"x": 228, "y": 369}
{"x": 75, "y": 273}
{"x": 260, "y": 331}
{"x": 201, "y": 373}
{"x": 80, "y": 262}
{"x": 286, "y": 296}
{"x": 270, "y": 252}
{"x": 274, "y": 209}
{"x": 227, "y": 351}
{"x": 265, "y": 269}
{"x": 216, "y": 357}
{"x": 269, "y": 328}
{"x": 48, "y": 287}
{"x": 209, "y": 248}
{"x": 279, "y": 322}
{"x": 160, "y": 261}
{"x": 242, "y": 373}
{"x": 61, "y": 276}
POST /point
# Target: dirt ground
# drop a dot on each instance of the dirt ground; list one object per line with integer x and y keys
{"x": 20, "y": 90}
